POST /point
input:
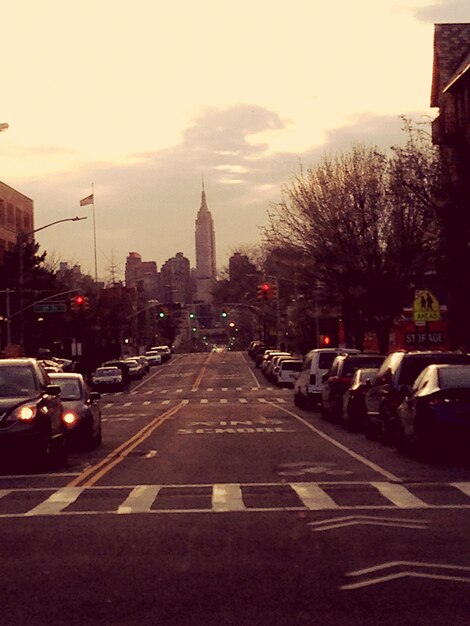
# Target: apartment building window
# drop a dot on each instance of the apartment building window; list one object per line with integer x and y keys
{"x": 10, "y": 216}
{"x": 2, "y": 212}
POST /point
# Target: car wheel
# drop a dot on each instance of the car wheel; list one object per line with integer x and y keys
{"x": 369, "y": 429}
{"x": 98, "y": 437}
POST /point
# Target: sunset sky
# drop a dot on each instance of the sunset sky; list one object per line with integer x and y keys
{"x": 142, "y": 98}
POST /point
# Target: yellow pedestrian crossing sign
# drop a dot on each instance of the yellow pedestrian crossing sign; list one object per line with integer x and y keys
{"x": 426, "y": 307}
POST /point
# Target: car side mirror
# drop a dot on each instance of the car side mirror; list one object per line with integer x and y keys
{"x": 94, "y": 396}
{"x": 53, "y": 390}
{"x": 324, "y": 378}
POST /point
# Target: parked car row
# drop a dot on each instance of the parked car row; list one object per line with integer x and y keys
{"x": 42, "y": 415}
{"x": 115, "y": 375}
{"x": 278, "y": 366}
{"x": 415, "y": 401}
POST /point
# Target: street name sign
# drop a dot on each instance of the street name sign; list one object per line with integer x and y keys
{"x": 50, "y": 307}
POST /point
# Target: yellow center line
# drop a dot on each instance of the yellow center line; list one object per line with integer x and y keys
{"x": 200, "y": 376}
{"x": 91, "y": 475}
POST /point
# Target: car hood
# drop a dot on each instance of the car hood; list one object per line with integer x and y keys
{"x": 8, "y": 403}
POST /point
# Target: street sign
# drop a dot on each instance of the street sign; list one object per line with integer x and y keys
{"x": 426, "y": 307}
{"x": 50, "y": 307}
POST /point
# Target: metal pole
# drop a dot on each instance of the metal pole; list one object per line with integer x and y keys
{"x": 94, "y": 232}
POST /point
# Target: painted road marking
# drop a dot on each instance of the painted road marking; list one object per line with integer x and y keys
{"x": 464, "y": 487}
{"x": 243, "y": 400}
{"x": 140, "y": 499}
{"x": 223, "y": 401}
{"x": 210, "y": 389}
{"x": 366, "y": 520}
{"x": 313, "y": 496}
{"x": 56, "y": 502}
{"x": 399, "y": 495}
{"x": 204, "y": 400}
{"x": 409, "y": 569}
{"x": 227, "y": 498}
{"x": 165, "y": 401}
{"x": 339, "y": 445}
{"x": 146, "y": 402}
{"x": 262, "y": 400}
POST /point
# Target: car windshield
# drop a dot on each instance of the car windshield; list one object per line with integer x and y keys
{"x": 326, "y": 360}
{"x": 452, "y": 377}
{"x": 108, "y": 371}
{"x": 70, "y": 388}
{"x": 415, "y": 364}
{"x": 16, "y": 381}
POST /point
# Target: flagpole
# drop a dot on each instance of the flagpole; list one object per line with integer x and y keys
{"x": 94, "y": 231}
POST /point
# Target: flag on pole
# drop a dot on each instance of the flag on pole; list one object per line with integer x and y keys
{"x": 88, "y": 200}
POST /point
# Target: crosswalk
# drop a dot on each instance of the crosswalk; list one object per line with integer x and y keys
{"x": 232, "y": 497}
{"x": 189, "y": 400}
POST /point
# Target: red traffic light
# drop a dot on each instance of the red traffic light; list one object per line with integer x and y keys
{"x": 79, "y": 303}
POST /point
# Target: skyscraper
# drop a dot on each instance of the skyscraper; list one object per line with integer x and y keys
{"x": 206, "y": 271}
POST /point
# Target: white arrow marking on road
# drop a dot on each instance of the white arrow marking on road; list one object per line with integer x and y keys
{"x": 407, "y": 573}
{"x": 367, "y": 520}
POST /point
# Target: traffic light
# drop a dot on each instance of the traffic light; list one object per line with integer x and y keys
{"x": 161, "y": 314}
{"x": 192, "y": 315}
{"x": 224, "y": 314}
{"x": 325, "y": 340}
{"x": 264, "y": 291}
{"x": 76, "y": 302}
{"x": 85, "y": 303}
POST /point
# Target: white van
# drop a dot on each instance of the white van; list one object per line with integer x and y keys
{"x": 308, "y": 386}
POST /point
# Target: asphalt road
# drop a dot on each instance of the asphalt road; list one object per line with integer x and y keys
{"x": 213, "y": 500}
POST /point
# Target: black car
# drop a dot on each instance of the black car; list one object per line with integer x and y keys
{"x": 82, "y": 413}
{"x": 354, "y": 408}
{"x": 31, "y": 426}
{"x": 339, "y": 377}
{"x": 393, "y": 383}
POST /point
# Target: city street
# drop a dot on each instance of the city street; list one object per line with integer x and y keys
{"x": 213, "y": 500}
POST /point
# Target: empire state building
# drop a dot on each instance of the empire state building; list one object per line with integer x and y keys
{"x": 205, "y": 252}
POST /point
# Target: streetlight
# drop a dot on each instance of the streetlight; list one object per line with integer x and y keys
{"x": 21, "y": 238}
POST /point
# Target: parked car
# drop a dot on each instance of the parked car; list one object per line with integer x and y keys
{"x": 393, "y": 383}
{"x": 316, "y": 363}
{"x": 437, "y": 410}
{"x": 136, "y": 369}
{"x": 107, "y": 378}
{"x": 274, "y": 364}
{"x": 153, "y": 357}
{"x": 257, "y": 343}
{"x": 31, "y": 426}
{"x": 81, "y": 411}
{"x": 338, "y": 378}
{"x": 267, "y": 360}
{"x": 354, "y": 408}
{"x": 287, "y": 371}
{"x": 164, "y": 351}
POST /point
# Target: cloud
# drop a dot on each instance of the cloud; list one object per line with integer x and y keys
{"x": 444, "y": 11}
{"x": 149, "y": 204}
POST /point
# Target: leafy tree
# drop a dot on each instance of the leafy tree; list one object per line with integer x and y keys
{"x": 370, "y": 235}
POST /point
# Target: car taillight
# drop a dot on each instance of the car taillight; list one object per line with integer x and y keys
{"x": 69, "y": 418}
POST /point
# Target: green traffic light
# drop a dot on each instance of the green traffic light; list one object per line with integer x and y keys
{"x": 192, "y": 316}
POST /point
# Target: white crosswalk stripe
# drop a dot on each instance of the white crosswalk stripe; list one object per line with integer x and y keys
{"x": 228, "y": 497}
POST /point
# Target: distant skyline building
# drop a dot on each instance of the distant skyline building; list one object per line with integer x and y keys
{"x": 141, "y": 275}
{"x": 206, "y": 270}
{"x": 175, "y": 280}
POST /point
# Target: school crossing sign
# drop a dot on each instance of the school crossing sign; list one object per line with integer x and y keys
{"x": 426, "y": 307}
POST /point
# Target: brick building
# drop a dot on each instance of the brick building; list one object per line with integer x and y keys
{"x": 16, "y": 215}
{"x": 450, "y": 93}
